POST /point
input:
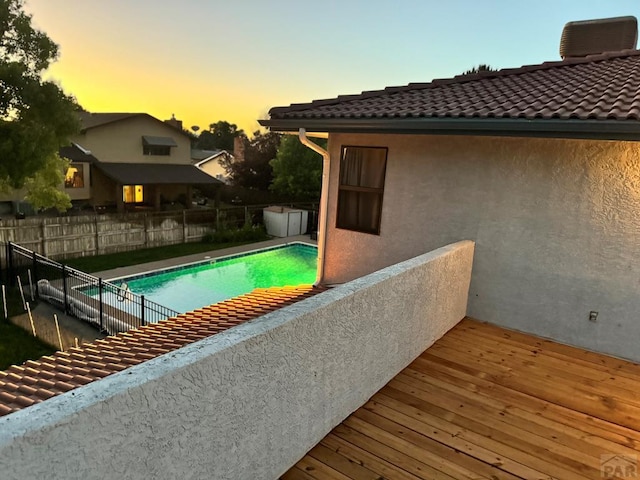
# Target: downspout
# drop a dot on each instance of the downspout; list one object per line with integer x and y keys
{"x": 324, "y": 201}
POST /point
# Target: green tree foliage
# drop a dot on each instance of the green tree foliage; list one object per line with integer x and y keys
{"x": 220, "y": 136}
{"x": 36, "y": 117}
{"x": 253, "y": 169}
{"x": 43, "y": 188}
{"x": 483, "y": 67}
{"x": 297, "y": 170}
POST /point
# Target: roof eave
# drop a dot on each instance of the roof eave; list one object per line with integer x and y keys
{"x": 554, "y": 128}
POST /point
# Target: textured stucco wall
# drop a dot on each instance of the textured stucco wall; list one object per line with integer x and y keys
{"x": 249, "y": 402}
{"x": 214, "y": 168}
{"x": 556, "y": 224}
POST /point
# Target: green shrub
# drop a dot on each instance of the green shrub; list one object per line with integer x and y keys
{"x": 248, "y": 233}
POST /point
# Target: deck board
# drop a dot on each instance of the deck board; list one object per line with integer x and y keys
{"x": 486, "y": 402}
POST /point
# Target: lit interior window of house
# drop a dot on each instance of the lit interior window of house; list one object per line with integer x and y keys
{"x": 132, "y": 194}
{"x": 74, "y": 178}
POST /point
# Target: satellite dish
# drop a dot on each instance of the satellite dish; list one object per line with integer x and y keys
{"x": 195, "y": 128}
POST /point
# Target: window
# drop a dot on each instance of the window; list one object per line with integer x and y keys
{"x": 74, "y": 177}
{"x": 362, "y": 172}
{"x": 132, "y": 194}
{"x": 152, "y": 145}
{"x": 156, "y": 150}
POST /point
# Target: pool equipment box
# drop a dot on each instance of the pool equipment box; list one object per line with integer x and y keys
{"x": 284, "y": 221}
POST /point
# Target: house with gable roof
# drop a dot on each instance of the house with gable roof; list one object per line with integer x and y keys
{"x": 243, "y": 389}
{"x": 209, "y": 161}
{"x": 539, "y": 165}
{"x": 122, "y": 160}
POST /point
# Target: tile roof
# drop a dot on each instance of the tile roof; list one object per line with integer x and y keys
{"x": 597, "y": 87}
{"x": 35, "y": 381}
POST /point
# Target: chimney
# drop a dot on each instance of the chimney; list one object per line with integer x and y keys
{"x": 174, "y": 122}
{"x": 238, "y": 148}
{"x": 591, "y": 37}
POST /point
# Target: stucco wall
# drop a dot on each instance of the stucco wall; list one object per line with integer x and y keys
{"x": 249, "y": 402}
{"x": 556, "y": 224}
{"x": 214, "y": 168}
{"x": 122, "y": 142}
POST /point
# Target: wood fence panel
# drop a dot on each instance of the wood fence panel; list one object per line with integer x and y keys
{"x": 74, "y": 236}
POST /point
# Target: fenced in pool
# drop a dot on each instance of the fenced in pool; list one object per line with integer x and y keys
{"x": 187, "y": 287}
{"x": 130, "y": 302}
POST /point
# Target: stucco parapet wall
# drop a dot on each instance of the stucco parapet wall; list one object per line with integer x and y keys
{"x": 248, "y": 402}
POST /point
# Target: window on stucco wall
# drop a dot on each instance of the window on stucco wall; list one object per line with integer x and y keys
{"x": 74, "y": 177}
{"x": 362, "y": 174}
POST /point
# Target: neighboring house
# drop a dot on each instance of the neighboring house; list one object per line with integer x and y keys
{"x": 209, "y": 162}
{"x": 539, "y": 165}
{"x": 135, "y": 160}
{"x": 77, "y": 182}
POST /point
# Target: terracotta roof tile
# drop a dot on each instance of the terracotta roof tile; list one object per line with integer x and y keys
{"x": 605, "y": 86}
{"x": 38, "y": 380}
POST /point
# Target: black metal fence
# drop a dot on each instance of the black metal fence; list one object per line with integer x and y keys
{"x": 109, "y": 307}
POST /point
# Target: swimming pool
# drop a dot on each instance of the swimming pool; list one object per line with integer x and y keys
{"x": 192, "y": 286}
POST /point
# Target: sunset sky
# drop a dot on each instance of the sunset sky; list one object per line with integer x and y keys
{"x": 210, "y": 60}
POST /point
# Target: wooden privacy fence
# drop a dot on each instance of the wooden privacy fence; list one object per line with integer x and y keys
{"x": 74, "y": 236}
{"x": 85, "y": 235}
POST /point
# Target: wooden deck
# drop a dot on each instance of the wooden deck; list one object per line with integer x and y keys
{"x": 485, "y": 402}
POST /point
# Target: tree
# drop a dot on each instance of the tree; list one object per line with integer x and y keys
{"x": 221, "y": 135}
{"x": 36, "y": 117}
{"x": 297, "y": 170}
{"x": 43, "y": 188}
{"x": 483, "y": 67}
{"x": 252, "y": 169}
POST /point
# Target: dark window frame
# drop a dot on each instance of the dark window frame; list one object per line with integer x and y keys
{"x": 361, "y": 193}
{"x": 158, "y": 150}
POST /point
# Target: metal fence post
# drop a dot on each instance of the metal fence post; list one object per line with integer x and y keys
{"x": 64, "y": 288}
{"x": 35, "y": 273}
{"x": 100, "y": 304}
{"x": 142, "y": 320}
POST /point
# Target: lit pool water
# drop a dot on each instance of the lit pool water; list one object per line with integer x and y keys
{"x": 193, "y": 286}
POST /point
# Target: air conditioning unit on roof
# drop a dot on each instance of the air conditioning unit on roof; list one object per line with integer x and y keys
{"x": 591, "y": 37}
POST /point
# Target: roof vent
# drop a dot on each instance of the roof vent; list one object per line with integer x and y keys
{"x": 589, "y": 37}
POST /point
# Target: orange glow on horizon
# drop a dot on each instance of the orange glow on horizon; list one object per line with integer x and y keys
{"x": 142, "y": 92}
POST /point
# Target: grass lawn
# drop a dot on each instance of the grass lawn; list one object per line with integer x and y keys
{"x": 135, "y": 257}
{"x": 18, "y": 346}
